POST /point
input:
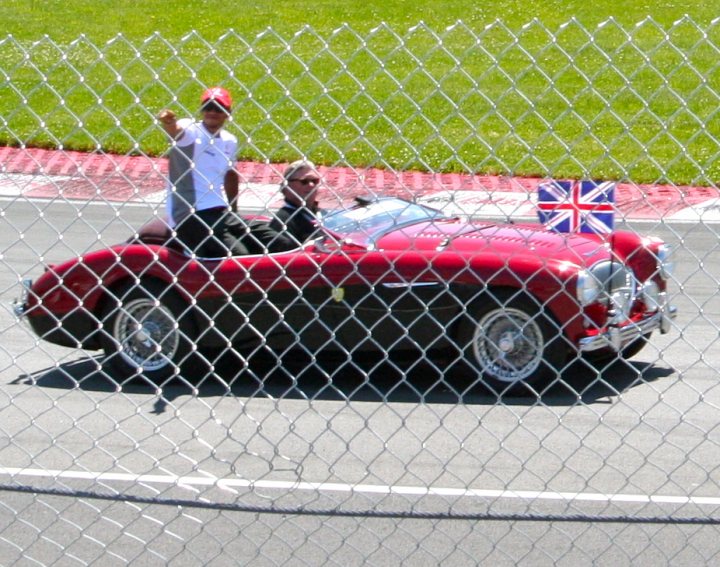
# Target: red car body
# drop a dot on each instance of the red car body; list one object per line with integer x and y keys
{"x": 514, "y": 300}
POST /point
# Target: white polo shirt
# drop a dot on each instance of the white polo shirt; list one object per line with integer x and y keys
{"x": 198, "y": 162}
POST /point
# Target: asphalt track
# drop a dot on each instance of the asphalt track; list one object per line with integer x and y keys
{"x": 38, "y": 173}
{"x": 616, "y": 467}
{"x": 613, "y": 468}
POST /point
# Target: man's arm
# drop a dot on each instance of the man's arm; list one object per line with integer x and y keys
{"x": 232, "y": 184}
{"x": 168, "y": 120}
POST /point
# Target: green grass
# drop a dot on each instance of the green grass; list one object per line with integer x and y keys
{"x": 390, "y": 84}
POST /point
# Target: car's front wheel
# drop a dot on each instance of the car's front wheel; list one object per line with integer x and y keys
{"x": 510, "y": 342}
{"x": 147, "y": 331}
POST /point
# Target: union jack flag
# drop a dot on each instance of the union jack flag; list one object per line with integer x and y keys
{"x": 577, "y": 206}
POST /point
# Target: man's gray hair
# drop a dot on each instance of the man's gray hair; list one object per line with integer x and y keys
{"x": 296, "y": 166}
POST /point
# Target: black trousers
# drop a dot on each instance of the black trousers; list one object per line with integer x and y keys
{"x": 206, "y": 234}
{"x": 256, "y": 235}
{"x": 215, "y": 233}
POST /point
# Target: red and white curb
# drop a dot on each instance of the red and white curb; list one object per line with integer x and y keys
{"x": 46, "y": 174}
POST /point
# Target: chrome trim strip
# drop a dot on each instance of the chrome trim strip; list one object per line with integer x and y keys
{"x": 399, "y": 285}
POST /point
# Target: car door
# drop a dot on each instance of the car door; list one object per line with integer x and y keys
{"x": 287, "y": 300}
{"x": 393, "y": 301}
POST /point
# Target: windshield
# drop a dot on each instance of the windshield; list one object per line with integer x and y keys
{"x": 369, "y": 221}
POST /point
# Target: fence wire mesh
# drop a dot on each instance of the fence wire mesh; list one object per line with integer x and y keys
{"x": 434, "y": 377}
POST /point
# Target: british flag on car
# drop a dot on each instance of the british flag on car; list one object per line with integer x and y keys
{"x": 577, "y": 206}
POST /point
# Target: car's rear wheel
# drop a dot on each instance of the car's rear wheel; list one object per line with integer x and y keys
{"x": 510, "y": 342}
{"x": 147, "y": 331}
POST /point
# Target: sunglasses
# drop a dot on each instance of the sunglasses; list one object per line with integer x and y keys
{"x": 215, "y": 107}
{"x": 306, "y": 181}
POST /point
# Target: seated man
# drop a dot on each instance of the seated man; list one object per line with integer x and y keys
{"x": 298, "y": 216}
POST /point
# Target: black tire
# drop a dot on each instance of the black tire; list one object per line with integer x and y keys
{"x": 147, "y": 331}
{"x": 510, "y": 343}
{"x": 605, "y": 356}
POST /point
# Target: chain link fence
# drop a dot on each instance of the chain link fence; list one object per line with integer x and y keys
{"x": 448, "y": 384}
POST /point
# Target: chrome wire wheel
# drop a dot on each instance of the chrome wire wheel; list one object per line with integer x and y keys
{"x": 147, "y": 333}
{"x": 148, "y": 330}
{"x": 508, "y": 344}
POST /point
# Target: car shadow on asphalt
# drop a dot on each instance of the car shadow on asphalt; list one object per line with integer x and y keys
{"x": 375, "y": 380}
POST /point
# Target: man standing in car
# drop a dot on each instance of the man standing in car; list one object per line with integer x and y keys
{"x": 203, "y": 181}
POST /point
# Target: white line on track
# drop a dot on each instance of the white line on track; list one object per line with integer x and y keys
{"x": 236, "y": 483}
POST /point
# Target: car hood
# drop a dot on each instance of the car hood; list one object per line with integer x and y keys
{"x": 512, "y": 239}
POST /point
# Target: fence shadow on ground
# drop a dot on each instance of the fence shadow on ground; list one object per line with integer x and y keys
{"x": 397, "y": 380}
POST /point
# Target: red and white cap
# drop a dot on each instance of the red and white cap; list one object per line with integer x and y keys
{"x": 219, "y": 95}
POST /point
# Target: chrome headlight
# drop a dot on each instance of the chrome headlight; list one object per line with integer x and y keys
{"x": 610, "y": 283}
{"x": 588, "y": 288}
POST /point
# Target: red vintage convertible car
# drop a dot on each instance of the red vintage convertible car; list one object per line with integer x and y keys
{"x": 514, "y": 301}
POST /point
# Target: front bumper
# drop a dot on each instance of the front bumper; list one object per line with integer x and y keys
{"x": 20, "y": 304}
{"x": 617, "y": 337}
